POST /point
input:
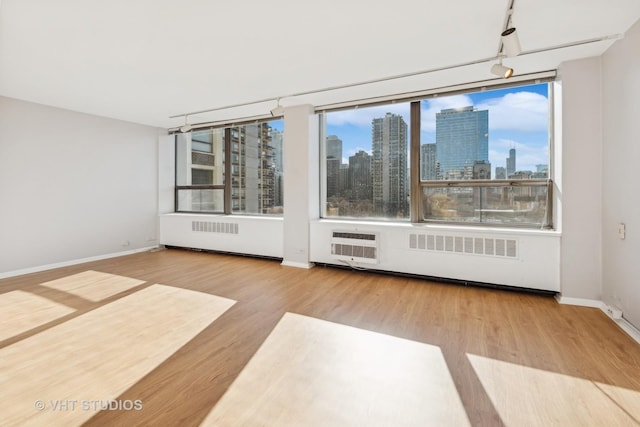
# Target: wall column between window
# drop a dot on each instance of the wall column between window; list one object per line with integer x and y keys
{"x": 301, "y": 160}
{"x": 227, "y": 172}
{"x": 414, "y": 150}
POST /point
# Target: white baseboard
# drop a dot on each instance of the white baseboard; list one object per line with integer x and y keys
{"x": 72, "y": 262}
{"x": 306, "y": 265}
{"x": 624, "y": 324}
{"x": 583, "y": 302}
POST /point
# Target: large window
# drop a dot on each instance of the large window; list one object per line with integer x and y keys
{"x": 200, "y": 177}
{"x": 479, "y": 158}
{"x": 230, "y": 170}
{"x": 366, "y": 162}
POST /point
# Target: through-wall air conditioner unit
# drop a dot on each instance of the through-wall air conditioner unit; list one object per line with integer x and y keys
{"x": 355, "y": 246}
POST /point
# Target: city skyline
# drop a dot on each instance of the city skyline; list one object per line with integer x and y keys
{"x": 518, "y": 118}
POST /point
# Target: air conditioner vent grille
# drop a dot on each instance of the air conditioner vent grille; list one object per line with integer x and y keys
{"x": 485, "y": 246}
{"x": 357, "y": 247}
{"x": 356, "y": 236}
{"x": 214, "y": 227}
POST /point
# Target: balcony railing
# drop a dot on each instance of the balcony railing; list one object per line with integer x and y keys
{"x": 199, "y": 198}
{"x": 519, "y": 203}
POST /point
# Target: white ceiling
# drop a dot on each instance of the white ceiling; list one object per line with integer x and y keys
{"x": 145, "y": 60}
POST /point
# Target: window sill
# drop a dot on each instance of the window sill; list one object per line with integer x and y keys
{"x": 439, "y": 227}
{"x": 240, "y": 217}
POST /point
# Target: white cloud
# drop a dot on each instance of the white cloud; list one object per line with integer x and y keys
{"x": 363, "y": 116}
{"x": 519, "y": 111}
{"x": 522, "y": 111}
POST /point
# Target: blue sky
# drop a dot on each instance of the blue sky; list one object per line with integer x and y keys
{"x": 518, "y": 118}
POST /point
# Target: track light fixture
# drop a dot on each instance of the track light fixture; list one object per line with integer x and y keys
{"x": 278, "y": 110}
{"x": 186, "y": 127}
{"x": 510, "y": 42}
{"x": 502, "y": 71}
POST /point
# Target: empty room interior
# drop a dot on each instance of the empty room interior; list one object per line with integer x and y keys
{"x": 285, "y": 213}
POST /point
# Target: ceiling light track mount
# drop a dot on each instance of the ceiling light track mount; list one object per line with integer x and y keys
{"x": 498, "y": 57}
{"x": 278, "y": 110}
{"x": 186, "y": 127}
{"x": 509, "y": 44}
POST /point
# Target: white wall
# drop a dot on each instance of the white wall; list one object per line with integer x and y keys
{"x": 580, "y": 183}
{"x": 621, "y": 159}
{"x": 73, "y": 186}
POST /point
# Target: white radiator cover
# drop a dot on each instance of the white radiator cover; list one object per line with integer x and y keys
{"x": 227, "y": 227}
{"x": 495, "y": 246}
{"x": 226, "y": 233}
{"x": 520, "y": 258}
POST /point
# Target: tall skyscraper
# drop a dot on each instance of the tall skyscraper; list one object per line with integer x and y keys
{"x": 333, "y": 176}
{"x": 334, "y": 161}
{"x": 252, "y": 170}
{"x": 343, "y": 179}
{"x": 511, "y": 163}
{"x": 428, "y": 163}
{"x": 462, "y": 137}
{"x": 276, "y": 144}
{"x": 360, "y": 176}
{"x": 334, "y": 147}
{"x": 389, "y": 137}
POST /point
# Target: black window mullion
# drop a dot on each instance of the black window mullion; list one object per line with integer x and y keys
{"x": 227, "y": 171}
{"x": 415, "y": 198}
{"x": 175, "y": 172}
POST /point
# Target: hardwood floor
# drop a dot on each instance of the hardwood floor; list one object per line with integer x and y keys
{"x": 88, "y": 361}
{"x": 513, "y": 358}
{"x": 314, "y": 373}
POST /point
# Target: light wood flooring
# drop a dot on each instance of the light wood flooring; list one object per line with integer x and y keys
{"x": 215, "y": 339}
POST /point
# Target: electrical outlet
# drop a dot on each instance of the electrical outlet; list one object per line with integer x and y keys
{"x": 622, "y": 230}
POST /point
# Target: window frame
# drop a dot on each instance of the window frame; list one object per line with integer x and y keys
{"x": 417, "y": 186}
{"x": 227, "y": 186}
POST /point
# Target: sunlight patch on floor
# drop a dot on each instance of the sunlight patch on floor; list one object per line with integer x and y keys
{"x": 22, "y": 311}
{"x": 311, "y": 372}
{"x": 93, "y": 285}
{"x": 55, "y": 377}
{"x": 528, "y": 396}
